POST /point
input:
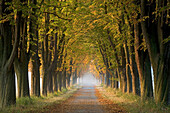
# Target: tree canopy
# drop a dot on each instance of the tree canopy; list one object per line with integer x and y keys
{"x": 117, "y": 40}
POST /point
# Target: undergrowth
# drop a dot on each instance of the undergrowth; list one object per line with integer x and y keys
{"x": 133, "y": 103}
{"x": 33, "y": 103}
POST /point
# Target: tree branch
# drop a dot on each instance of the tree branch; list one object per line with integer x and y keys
{"x": 57, "y": 16}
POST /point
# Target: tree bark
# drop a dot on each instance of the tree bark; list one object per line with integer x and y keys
{"x": 60, "y": 74}
{"x": 65, "y": 71}
{"x": 44, "y": 88}
{"x": 7, "y": 55}
{"x": 102, "y": 49}
{"x": 70, "y": 72}
{"x": 159, "y": 53}
{"x": 22, "y": 59}
{"x": 116, "y": 81}
{"x": 134, "y": 72}
{"x": 7, "y": 85}
{"x": 50, "y": 83}
{"x": 132, "y": 63}
{"x": 64, "y": 78}
{"x": 123, "y": 73}
{"x": 21, "y": 69}
{"x": 144, "y": 67}
{"x": 128, "y": 73}
{"x": 35, "y": 75}
{"x": 75, "y": 77}
{"x": 55, "y": 82}
{"x": 45, "y": 53}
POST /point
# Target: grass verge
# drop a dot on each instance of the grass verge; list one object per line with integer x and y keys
{"x": 133, "y": 103}
{"x": 36, "y": 104}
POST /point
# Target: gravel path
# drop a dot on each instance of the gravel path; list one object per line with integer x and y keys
{"x": 84, "y": 101}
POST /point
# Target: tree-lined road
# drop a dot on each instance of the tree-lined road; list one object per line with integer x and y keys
{"x": 85, "y": 100}
{"x": 118, "y": 41}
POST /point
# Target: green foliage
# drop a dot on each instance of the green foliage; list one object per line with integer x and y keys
{"x": 64, "y": 90}
{"x": 166, "y": 40}
{"x": 101, "y": 84}
{"x": 24, "y": 101}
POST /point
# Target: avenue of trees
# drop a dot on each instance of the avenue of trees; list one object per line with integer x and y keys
{"x": 120, "y": 40}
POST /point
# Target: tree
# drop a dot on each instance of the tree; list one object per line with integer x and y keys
{"x": 7, "y": 55}
{"x": 155, "y": 30}
{"x": 33, "y": 29}
{"x": 23, "y": 51}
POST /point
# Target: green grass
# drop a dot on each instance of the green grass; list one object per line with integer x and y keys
{"x": 133, "y": 103}
{"x": 33, "y": 104}
{"x": 25, "y": 101}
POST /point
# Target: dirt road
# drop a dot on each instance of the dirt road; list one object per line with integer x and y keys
{"x": 86, "y": 100}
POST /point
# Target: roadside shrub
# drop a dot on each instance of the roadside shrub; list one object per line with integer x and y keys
{"x": 24, "y": 101}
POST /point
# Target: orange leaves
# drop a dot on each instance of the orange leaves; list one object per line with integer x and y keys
{"x": 108, "y": 105}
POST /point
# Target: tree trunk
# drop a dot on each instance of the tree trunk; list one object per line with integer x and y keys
{"x": 75, "y": 77}
{"x": 60, "y": 80}
{"x": 107, "y": 77}
{"x": 116, "y": 80}
{"x": 52, "y": 64}
{"x": 64, "y": 78}
{"x": 7, "y": 74}
{"x": 21, "y": 69}
{"x": 103, "y": 79}
{"x": 102, "y": 49}
{"x": 44, "y": 89}
{"x": 123, "y": 72}
{"x": 60, "y": 73}
{"x": 55, "y": 82}
{"x": 7, "y": 86}
{"x": 107, "y": 70}
{"x": 50, "y": 82}
{"x": 159, "y": 52}
{"x": 128, "y": 74}
{"x": 132, "y": 63}
{"x": 70, "y": 72}
{"x": 22, "y": 60}
{"x": 32, "y": 82}
{"x": 68, "y": 79}
{"x": 45, "y": 53}
{"x": 7, "y": 55}
{"x": 112, "y": 80}
{"x": 134, "y": 72}
{"x": 120, "y": 71}
{"x": 144, "y": 67}
{"x": 35, "y": 75}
